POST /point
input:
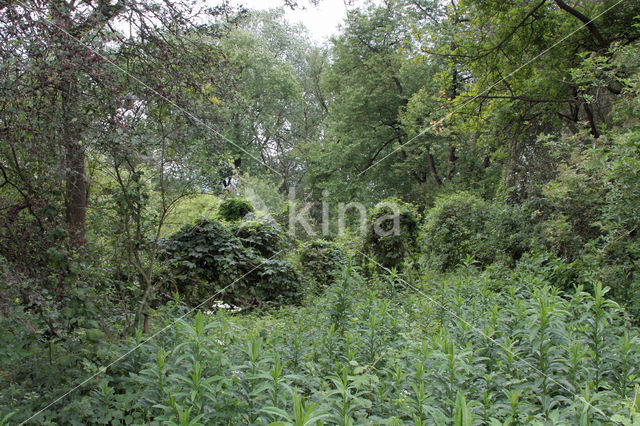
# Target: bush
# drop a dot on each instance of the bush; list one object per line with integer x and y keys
{"x": 594, "y": 205}
{"x": 462, "y": 225}
{"x": 234, "y": 209}
{"x": 209, "y": 257}
{"x": 391, "y": 248}
{"x": 263, "y": 237}
{"x": 319, "y": 263}
{"x": 557, "y": 236}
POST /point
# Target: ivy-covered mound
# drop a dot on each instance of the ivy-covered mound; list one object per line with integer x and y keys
{"x": 320, "y": 261}
{"x": 462, "y": 225}
{"x": 391, "y": 240}
{"x": 234, "y": 209}
{"x": 240, "y": 263}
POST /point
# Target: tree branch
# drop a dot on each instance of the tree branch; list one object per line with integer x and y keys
{"x": 585, "y": 20}
{"x": 521, "y": 98}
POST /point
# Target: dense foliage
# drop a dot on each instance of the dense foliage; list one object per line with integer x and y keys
{"x": 459, "y": 180}
{"x": 392, "y": 232}
{"x": 462, "y": 226}
{"x": 422, "y": 350}
{"x": 320, "y": 261}
{"x": 233, "y": 209}
{"x": 241, "y": 264}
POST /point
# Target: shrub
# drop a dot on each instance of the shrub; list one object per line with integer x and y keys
{"x": 209, "y": 257}
{"x": 594, "y": 205}
{"x": 462, "y": 225}
{"x": 557, "y": 236}
{"x": 319, "y": 262}
{"x": 263, "y": 237}
{"x": 387, "y": 247}
{"x": 234, "y": 209}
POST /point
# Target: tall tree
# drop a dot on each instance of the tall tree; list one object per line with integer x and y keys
{"x": 62, "y": 54}
{"x": 367, "y": 85}
{"x": 74, "y": 74}
{"x": 275, "y": 106}
{"x": 519, "y": 60}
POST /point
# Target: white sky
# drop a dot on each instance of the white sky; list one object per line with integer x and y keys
{"x": 322, "y": 21}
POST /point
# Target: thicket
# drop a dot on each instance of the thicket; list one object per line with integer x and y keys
{"x": 242, "y": 263}
{"x": 320, "y": 262}
{"x": 392, "y": 232}
{"x": 430, "y": 351}
{"x": 462, "y": 225}
{"x": 234, "y": 209}
{"x": 515, "y": 301}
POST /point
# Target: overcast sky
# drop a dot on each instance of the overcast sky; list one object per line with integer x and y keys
{"x": 322, "y": 21}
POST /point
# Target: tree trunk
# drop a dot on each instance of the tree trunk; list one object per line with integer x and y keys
{"x": 592, "y": 122}
{"x": 432, "y": 169}
{"x": 74, "y": 163}
{"x": 73, "y": 160}
{"x": 451, "y": 164}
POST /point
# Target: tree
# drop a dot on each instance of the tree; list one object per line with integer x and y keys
{"x": 276, "y": 107}
{"x": 79, "y": 92}
{"x": 367, "y": 85}
{"x": 516, "y": 61}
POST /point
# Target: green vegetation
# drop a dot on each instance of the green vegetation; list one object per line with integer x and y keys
{"x": 392, "y": 233}
{"x": 205, "y": 218}
{"x": 462, "y": 225}
{"x": 320, "y": 262}
{"x": 242, "y": 265}
{"x": 386, "y": 351}
{"x": 234, "y": 209}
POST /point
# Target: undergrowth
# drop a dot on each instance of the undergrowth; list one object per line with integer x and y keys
{"x": 418, "y": 348}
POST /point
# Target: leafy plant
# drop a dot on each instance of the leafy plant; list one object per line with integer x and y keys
{"x": 320, "y": 263}
{"x": 462, "y": 225}
{"x": 234, "y": 209}
{"x": 240, "y": 264}
{"x": 392, "y": 232}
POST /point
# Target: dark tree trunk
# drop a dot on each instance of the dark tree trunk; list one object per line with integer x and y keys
{"x": 452, "y": 160}
{"x": 432, "y": 169}
{"x": 74, "y": 163}
{"x": 592, "y": 122}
